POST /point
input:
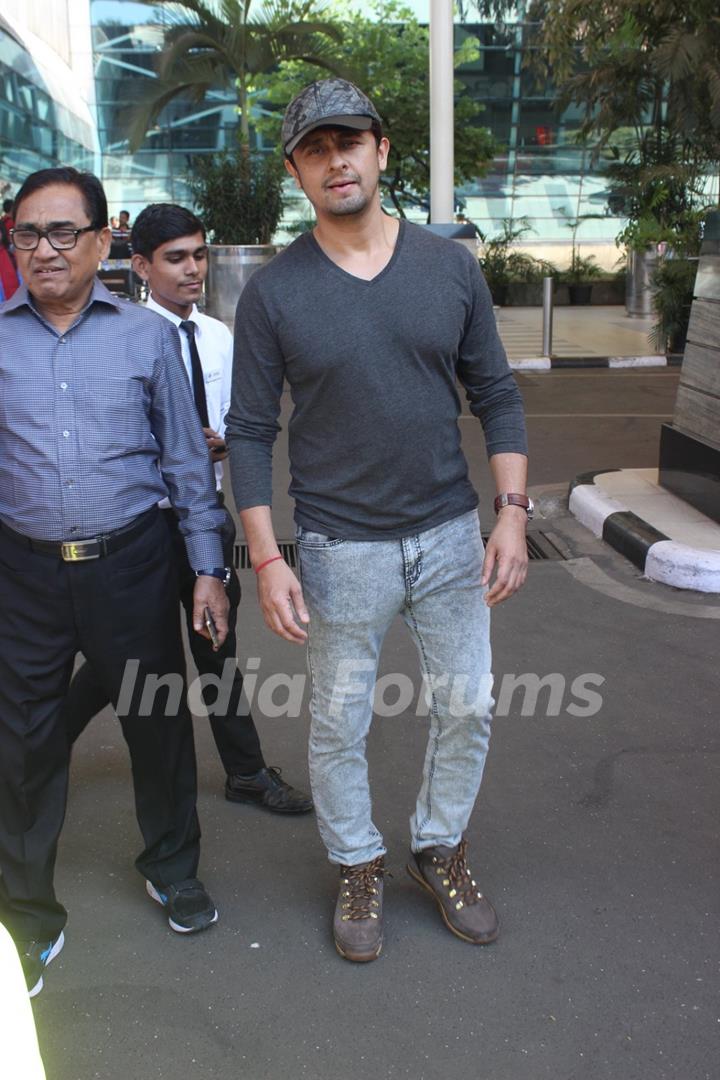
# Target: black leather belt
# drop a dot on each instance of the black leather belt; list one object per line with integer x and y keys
{"x": 95, "y": 547}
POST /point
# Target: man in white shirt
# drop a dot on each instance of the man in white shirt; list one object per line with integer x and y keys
{"x": 170, "y": 254}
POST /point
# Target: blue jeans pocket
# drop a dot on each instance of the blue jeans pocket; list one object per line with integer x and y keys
{"x": 315, "y": 541}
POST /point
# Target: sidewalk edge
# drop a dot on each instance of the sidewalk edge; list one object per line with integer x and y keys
{"x": 656, "y": 555}
{"x": 552, "y": 363}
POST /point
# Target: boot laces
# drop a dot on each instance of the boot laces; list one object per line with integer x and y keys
{"x": 360, "y": 892}
{"x": 458, "y": 875}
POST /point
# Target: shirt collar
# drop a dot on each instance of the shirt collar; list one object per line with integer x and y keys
{"x": 100, "y": 294}
{"x": 154, "y": 306}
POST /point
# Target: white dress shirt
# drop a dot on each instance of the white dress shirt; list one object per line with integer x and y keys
{"x": 215, "y": 348}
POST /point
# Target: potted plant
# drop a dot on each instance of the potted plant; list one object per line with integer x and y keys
{"x": 239, "y": 196}
{"x": 645, "y": 239}
{"x": 579, "y": 276}
{"x": 674, "y": 283}
{"x": 500, "y": 264}
{"x": 526, "y": 285}
{"x": 662, "y": 199}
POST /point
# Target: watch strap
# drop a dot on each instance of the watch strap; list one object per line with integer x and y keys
{"x": 222, "y": 573}
{"x": 511, "y": 499}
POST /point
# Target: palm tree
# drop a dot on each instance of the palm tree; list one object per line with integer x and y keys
{"x": 214, "y": 43}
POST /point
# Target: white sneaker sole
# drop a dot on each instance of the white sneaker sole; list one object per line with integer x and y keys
{"x": 57, "y": 948}
{"x": 155, "y": 895}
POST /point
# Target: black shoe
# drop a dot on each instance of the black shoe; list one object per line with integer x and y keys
{"x": 35, "y": 957}
{"x": 188, "y": 905}
{"x": 268, "y": 789}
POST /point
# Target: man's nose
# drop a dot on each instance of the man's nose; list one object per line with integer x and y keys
{"x": 337, "y": 158}
{"x": 45, "y": 249}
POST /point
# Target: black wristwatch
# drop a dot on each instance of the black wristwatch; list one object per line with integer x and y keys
{"x": 222, "y": 573}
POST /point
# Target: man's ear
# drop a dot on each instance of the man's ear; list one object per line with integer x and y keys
{"x": 294, "y": 173}
{"x": 104, "y": 241}
{"x": 140, "y": 266}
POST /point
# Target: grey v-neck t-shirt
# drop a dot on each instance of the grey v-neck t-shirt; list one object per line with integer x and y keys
{"x": 373, "y": 369}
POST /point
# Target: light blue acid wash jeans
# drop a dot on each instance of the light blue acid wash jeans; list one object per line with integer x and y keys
{"x": 353, "y": 591}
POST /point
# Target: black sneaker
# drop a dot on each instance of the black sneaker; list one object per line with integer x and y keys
{"x": 267, "y": 788}
{"x": 35, "y": 957}
{"x": 188, "y": 905}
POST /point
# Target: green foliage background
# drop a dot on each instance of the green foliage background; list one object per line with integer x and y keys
{"x": 239, "y": 196}
{"x": 387, "y": 57}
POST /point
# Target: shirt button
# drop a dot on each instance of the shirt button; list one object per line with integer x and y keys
{"x": 74, "y": 529}
{"x": 69, "y": 483}
{"x": 61, "y": 341}
{"x": 66, "y": 434}
{"x": 63, "y": 386}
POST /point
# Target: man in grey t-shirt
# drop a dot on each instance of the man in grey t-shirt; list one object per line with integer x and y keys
{"x": 372, "y": 321}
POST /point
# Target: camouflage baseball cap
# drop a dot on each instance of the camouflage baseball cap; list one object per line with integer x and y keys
{"x": 324, "y": 103}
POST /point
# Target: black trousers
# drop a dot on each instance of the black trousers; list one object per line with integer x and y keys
{"x": 114, "y": 609}
{"x": 234, "y": 730}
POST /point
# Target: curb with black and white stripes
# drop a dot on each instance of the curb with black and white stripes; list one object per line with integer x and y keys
{"x": 552, "y": 363}
{"x": 655, "y": 554}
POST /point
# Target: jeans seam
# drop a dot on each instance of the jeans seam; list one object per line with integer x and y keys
{"x": 412, "y": 578}
{"x": 435, "y": 713}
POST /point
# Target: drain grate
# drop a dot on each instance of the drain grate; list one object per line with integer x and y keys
{"x": 288, "y": 551}
{"x": 539, "y": 546}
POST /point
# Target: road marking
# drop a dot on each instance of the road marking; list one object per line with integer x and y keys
{"x": 589, "y": 416}
{"x": 588, "y": 573}
{"x": 603, "y": 373}
{"x": 599, "y": 416}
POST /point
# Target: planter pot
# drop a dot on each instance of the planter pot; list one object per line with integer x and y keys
{"x": 499, "y": 294}
{"x": 580, "y": 292}
{"x": 525, "y": 294}
{"x": 609, "y": 292}
{"x": 677, "y": 338}
{"x": 230, "y": 267}
{"x": 639, "y": 290}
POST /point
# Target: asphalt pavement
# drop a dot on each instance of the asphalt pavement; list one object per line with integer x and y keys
{"x": 595, "y": 834}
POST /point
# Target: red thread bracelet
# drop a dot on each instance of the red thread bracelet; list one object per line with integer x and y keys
{"x": 267, "y": 562}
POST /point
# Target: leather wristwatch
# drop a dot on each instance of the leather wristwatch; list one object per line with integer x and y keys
{"x": 222, "y": 573}
{"x": 512, "y": 499}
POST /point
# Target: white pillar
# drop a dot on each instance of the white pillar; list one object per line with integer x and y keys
{"x": 442, "y": 118}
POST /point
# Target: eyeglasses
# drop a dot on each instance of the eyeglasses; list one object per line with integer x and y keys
{"x": 60, "y": 239}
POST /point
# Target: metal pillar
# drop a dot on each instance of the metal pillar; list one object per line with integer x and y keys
{"x": 547, "y": 330}
{"x": 442, "y": 112}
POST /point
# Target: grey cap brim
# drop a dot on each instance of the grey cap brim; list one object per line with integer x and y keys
{"x": 359, "y": 123}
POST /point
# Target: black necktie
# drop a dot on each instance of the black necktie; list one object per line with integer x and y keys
{"x": 198, "y": 379}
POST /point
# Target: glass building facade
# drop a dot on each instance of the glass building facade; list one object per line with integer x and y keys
{"x": 41, "y": 123}
{"x": 540, "y": 172}
{"x": 127, "y": 38}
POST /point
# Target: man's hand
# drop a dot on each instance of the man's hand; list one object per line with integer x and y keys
{"x": 215, "y": 444}
{"x": 281, "y": 599}
{"x": 506, "y": 554}
{"x": 209, "y": 592}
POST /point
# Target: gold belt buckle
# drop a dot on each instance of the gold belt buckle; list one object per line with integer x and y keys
{"x": 78, "y": 552}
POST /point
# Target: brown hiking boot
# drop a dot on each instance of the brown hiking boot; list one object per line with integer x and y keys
{"x": 357, "y": 926}
{"x": 444, "y": 872}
